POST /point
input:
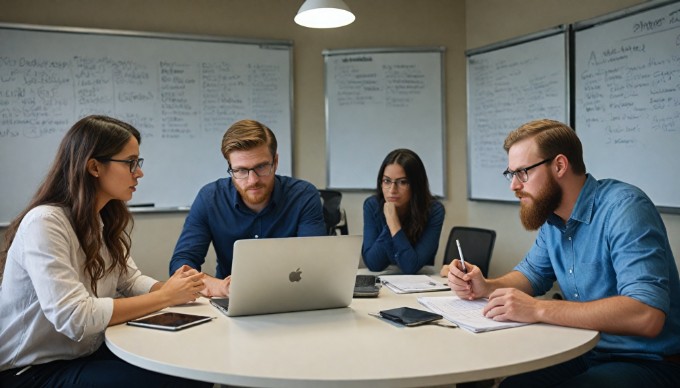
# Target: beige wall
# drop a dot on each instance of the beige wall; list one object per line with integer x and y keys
{"x": 455, "y": 24}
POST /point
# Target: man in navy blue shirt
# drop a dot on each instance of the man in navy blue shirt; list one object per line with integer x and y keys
{"x": 606, "y": 245}
{"x": 253, "y": 203}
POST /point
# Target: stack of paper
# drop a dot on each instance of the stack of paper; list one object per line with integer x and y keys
{"x": 404, "y": 284}
{"x": 465, "y": 313}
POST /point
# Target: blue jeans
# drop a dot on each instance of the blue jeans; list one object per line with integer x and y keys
{"x": 595, "y": 369}
{"x": 100, "y": 369}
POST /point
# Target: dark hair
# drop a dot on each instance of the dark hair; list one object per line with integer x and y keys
{"x": 245, "y": 135}
{"x": 552, "y": 138}
{"x": 419, "y": 206}
{"x": 68, "y": 184}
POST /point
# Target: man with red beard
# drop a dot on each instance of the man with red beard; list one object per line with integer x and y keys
{"x": 253, "y": 203}
{"x": 605, "y": 244}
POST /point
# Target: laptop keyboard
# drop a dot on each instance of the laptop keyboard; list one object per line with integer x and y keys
{"x": 222, "y": 304}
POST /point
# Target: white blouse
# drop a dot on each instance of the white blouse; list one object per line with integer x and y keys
{"x": 47, "y": 309}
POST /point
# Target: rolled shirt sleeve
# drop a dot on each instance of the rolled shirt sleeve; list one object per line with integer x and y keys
{"x": 614, "y": 244}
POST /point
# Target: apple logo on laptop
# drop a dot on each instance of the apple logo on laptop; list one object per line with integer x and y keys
{"x": 295, "y": 276}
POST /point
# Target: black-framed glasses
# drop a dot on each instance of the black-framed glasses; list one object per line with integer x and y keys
{"x": 134, "y": 163}
{"x": 401, "y": 183}
{"x": 264, "y": 169}
{"x": 523, "y": 173}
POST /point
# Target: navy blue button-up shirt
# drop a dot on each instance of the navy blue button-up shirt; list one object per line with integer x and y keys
{"x": 381, "y": 249}
{"x": 218, "y": 215}
{"x": 614, "y": 243}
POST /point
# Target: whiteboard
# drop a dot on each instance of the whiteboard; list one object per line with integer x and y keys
{"x": 378, "y": 100}
{"x": 182, "y": 92}
{"x": 511, "y": 83}
{"x": 627, "y": 91}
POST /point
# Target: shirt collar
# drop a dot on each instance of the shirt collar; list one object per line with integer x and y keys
{"x": 585, "y": 204}
{"x": 583, "y": 209}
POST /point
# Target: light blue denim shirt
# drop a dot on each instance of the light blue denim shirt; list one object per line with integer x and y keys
{"x": 615, "y": 243}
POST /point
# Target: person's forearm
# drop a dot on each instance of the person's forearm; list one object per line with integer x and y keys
{"x": 616, "y": 315}
{"x": 409, "y": 258}
{"x": 513, "y": 279}
{"x": 375, "y": 258}
{"x": 394, "y": 226}
{"x": 125, "y": 309}
{"x": 374, "y": 249}
{"x": 183, "y": 286}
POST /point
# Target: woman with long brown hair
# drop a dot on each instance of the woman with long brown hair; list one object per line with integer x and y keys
{"x": 67, "y": 262}
{"x": 402, "y": 221}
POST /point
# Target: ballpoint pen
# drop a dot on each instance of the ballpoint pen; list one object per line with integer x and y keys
{"x": 462, "y": 259}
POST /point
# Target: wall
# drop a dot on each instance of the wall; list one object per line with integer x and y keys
{"x": 455, "y": 24}
{"x": 379, "y": 23}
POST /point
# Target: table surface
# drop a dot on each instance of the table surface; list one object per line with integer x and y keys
{"x": 343, "y": 347}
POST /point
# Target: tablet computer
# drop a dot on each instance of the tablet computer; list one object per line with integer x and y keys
{"x": 170, "y": 321}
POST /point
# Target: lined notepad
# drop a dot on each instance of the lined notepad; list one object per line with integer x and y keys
{"x": 465, "y": 313}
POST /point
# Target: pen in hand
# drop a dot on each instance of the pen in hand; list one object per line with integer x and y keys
{"x": 462, "y": 259}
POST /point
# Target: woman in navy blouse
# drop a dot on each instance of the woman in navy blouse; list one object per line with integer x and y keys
{"x": 402, "y": 221}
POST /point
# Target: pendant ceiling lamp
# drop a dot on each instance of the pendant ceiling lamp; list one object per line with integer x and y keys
{"x": 324, "y": 14}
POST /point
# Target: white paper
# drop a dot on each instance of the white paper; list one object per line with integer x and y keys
{"x": 465, "y": 313}
{"x": 404, "y": 284}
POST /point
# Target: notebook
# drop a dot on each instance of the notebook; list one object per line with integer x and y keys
{"x": 293, "y": 274}
{"x": 467, "y": 314}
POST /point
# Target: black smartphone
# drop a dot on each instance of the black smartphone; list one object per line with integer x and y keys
{"x": 408, "y": 316}
{"x": 366, "y": 286}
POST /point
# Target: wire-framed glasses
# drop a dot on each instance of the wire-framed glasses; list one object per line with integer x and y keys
{"x": 401, "y": 183}
{"x": 264, "y": 169}
{"x": 523, "y": 173}
{"x": 134, "y": 163}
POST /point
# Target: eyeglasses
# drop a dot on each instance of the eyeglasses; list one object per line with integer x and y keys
{"x": 134, "y": 163}
{"x": 523, "y": 173}
{"x": 264, "y": 169}
{"x": 401, "y": 183}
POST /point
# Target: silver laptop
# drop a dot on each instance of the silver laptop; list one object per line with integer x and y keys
{"x": 292, "y": 274}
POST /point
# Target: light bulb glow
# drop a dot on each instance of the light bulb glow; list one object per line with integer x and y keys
{"x": 324, "y": 14}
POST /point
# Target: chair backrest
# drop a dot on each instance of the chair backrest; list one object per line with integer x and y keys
{"x": 332, "y": 213}
{"x": 476, "y": 244}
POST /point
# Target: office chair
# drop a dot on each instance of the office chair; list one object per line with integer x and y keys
{"x": 476, "y": 244}
{"x": 334, "y": 216}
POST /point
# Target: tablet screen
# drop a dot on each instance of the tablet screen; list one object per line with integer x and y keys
{"x": 170, "y": 321}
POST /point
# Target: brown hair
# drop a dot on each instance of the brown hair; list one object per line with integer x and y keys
{"x": 552, "y": 138}
{"x": 69, "y": 185}
{"x": 245, "y": 135}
